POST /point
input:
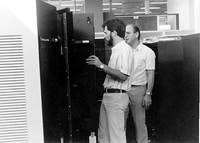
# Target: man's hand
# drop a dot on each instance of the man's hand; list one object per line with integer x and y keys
{"x": 93, "y": 60}
{"x": 146, "y": 101}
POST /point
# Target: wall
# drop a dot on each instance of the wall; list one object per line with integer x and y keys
{"x": 197, "y": 15}
{"x": 185, "y": 8}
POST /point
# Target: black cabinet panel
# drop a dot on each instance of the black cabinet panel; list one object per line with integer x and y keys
{"x": 68, "y": 84}
{"x": 52, "y": 71}
{"x": 173, "y": 116}
{"x": 77, "y": 34}
{"x": 83, "y": 27}
{"x": 177, "y": 89}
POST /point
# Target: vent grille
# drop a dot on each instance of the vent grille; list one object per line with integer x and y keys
{"x": 13, "y": 113}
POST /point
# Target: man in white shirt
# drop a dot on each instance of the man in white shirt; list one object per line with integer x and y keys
{"x": 141, "y": 81}
{"x": 115, "y": 99}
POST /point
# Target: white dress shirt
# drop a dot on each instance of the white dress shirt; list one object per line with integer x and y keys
{"x": 144, "y": 59}
{"x": 120, "y": 59}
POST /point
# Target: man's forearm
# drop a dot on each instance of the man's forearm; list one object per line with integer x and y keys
{"x": 114, "y": 73}
{"x": 150, "y": 80}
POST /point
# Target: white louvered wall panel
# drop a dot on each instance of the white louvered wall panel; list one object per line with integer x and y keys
{"x": 13, "y": 111}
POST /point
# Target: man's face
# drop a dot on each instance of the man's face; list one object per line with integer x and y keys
{"x": 108, "y": 36}
{"x": 130, "y": 35}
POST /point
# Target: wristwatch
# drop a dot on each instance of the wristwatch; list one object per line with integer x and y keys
{"x": 101, "y": 66}
{"x": 148, "y": 93}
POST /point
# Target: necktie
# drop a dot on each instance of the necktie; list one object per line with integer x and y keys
{"x": 132, "y": 69}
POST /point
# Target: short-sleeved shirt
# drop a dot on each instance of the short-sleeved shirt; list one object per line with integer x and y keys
{"x": 120, "y": 59}
{"x": 143, "y": 59}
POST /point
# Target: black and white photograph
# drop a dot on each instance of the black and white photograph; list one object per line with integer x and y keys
{"x": 99, "y": 71}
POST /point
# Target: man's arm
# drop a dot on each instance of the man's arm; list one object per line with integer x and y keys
{"x": 94, "y": 60}
{"x": 114, "y": 73}
{"x": 150, "y": 83}
{"x": 150, "y": 80}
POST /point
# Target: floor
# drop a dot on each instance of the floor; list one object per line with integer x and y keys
{"x": 169, "y": 134}
{"x": 127, "y": 142}
{"x": 83, "y": 137}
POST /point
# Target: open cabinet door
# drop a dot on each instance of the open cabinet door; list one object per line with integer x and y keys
{"x": 77, "y": 34}
{"x": 65, "y": 30}
{"x": 52, "y": 72}
{"x": 20, "y": 96}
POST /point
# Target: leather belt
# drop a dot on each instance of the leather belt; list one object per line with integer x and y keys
{"x": 136, "y": 85}
{"x": 113, "y": 90}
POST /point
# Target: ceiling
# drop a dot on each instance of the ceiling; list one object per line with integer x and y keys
{"x": 119, "y": 7}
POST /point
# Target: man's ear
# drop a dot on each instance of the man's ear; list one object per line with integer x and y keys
{"x": 137, "y": 34}
{"x": 114, "y": 33}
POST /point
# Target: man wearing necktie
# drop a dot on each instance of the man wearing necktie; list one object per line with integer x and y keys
{"x": 141, "y": 81}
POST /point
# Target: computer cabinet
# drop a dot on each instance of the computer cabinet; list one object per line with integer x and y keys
{"x": 67, "y": 82}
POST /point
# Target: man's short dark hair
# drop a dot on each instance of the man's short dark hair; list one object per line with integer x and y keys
{"x": 136, "y": 29}
{"x": 115, "y": 25}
